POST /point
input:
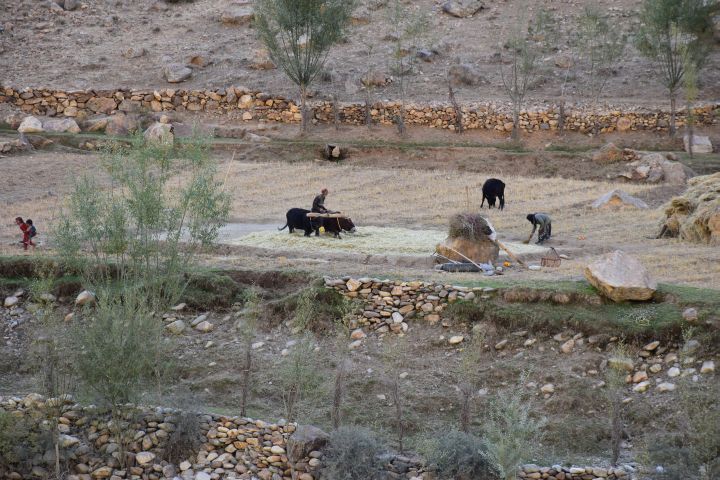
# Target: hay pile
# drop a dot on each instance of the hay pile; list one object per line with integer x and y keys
{"x": 469, "y": 237}
{"x": 695, "y": 216}
{"x": 470, "y": 226}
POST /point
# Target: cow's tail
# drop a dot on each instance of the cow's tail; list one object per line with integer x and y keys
{"x": 283, "y": 227}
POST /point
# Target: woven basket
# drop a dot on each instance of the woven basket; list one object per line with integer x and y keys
{"x": 552, "y": 260}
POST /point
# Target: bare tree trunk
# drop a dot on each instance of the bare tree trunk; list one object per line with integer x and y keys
{"x": 339, "y": 389}
{"x": 400, "y": 120}
{"x": 690, "y": 128}
{"x": 672, "y": 114}
{"x": 465, "y": 396}
{"x": 561, "y": 117}
{"x": 247, "y": 368}
{"x": 336, "y": 111}
{"x": 368, "y": 113}
{"x": 616, "y": 427}
{"x": 456, "y": 107}
{"x": 398, "y": 413}
{"x": 303, "y": 108}
{"x": 516, "y": 122}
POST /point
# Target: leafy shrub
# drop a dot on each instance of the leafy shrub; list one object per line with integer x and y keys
{"x": 466, "y": 312}
{"x": 460, "y": 456}
{"x": 210, "y": 290}
{"x": 352, "y": 454}
{"x": 318, "y": 308}
{"x": 18, "y": 443}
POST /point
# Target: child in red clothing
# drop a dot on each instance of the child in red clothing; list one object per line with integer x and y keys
{"x": 25, "y": 229}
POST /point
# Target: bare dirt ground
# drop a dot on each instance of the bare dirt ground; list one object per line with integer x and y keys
{"x": 374, "y": 192}
{"x": 84, "y": 49}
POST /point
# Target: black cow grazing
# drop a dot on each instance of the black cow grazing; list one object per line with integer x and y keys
{"x": 336, "y": 225}
{"x": 297, "y": 218}
{"x": 493, "y": 189}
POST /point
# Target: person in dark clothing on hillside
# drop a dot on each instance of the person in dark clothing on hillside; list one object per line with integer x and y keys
{"x": 543, "y": 221}
{"x": 318, "y": 205}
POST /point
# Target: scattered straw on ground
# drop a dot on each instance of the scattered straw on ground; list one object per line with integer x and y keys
{"x": 368, "y": 241}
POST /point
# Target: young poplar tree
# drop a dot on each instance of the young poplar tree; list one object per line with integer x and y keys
{"x": 600, "y": 46}
{"x": 525, "y": 43}
{"x": 673, "y": 35}
{"x": 406, "y": 28}
{"x": 299, "y": 34}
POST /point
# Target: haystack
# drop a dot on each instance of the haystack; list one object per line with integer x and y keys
{"x": 695, "y": 216}
{"x": 470, "y": 235}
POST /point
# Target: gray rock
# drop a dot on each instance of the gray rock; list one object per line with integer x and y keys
{"x": 65, "y": 125}
{"x": 176, "y": 73}
{"x": 30, "y": 125}
{"x": 700, "y": 144}
{"x": 304, "y": 440}
{"x": 176, "y": 327}
{"x": 618, "y": 198}
{"x": 464, "y": 74}
{"x": 462, "y": 8}
{"x": 237, "y": 15}
{"x": 159, "y": 133}
{"x": 71, "y": 5}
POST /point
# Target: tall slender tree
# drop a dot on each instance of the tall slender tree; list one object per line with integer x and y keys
{"x": 674, "y": 34}
{"x": 600, "y": 46}
{"x": 299, "y": 34}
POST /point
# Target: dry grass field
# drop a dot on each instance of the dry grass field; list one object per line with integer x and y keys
{"x": 397, "y": 197}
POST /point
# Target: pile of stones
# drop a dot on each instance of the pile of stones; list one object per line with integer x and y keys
{"x": 387, "y": 304}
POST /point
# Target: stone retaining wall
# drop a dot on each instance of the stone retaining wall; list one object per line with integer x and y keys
{"x": 248, "y": 105}
{"x": 233, "y": 447}
{"x": 388, "y": 304}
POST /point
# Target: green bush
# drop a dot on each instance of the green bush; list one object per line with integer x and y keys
{"x": 352, "y": 454}
{"x": 319, "y": 309}
{"x": 460, "y": 456}
{"x": 18, "y": 443}
{"x": 210, "y": 290}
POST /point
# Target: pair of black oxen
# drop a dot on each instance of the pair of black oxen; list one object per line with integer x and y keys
{"x": 492, "y": 190}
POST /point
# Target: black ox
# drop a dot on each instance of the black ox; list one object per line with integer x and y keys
{"x": 297, "y": 218}
{"x": 493, "y": 189}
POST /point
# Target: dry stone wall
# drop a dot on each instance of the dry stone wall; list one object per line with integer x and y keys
{"x": 233, "y": 448}
{"x": 248, "y": 105}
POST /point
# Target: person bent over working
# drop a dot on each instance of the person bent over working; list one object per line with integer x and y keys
{"x": 543, "y": 221}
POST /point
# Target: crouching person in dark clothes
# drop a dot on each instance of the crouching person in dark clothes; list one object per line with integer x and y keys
{"x": 542, "y": 221}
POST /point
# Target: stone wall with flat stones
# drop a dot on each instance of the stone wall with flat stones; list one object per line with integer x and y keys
{"x": 232, "y": 448}
{"x": 248, "y": 105}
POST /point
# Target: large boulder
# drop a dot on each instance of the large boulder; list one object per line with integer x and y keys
{"x": 176, "y": 72}
{"x": 469, "y": 235}
{"x": 61, "y": 125}
{"x": 237, "y": 15}
{"x": 101, "y": 105}
{"x": 620, "y": 277}
{"x": 462, "y": 8}
{"x": 30, "y": 125}
{"x": 608, "y": 153}
{"x": 479, "y": 251}
{"x": 304, "y": 440}
{"x": 159, "y": 133}
{"x": 700, "y": 144}
{"x": 618, "y": 199}
{"x": 655, "y": 168}
{"x": 463, "y": 74}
